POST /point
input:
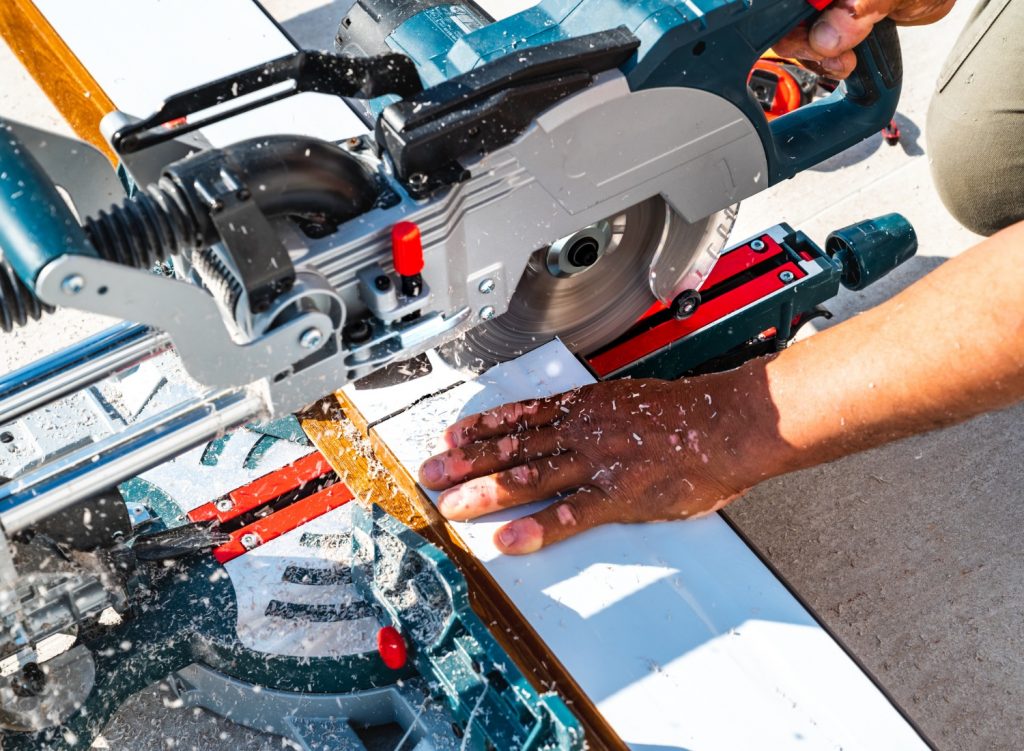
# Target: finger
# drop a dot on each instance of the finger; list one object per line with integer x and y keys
{"x": 483, "y": 458}
{"x": 533, "y": 481}
{"x": 507, "y": 418}
{"x": 796, "y": 45}
{"x": 845, "y": 25}
{"x": 583, "y": 510}
{"x": 833, "y": 67}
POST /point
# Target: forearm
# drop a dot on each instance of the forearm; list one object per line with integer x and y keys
{"x": 947, "y": 348}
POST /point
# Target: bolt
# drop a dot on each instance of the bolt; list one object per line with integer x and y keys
{"x": 73, "y": 284}
{"x": 786, "y": 277}
{"x": 250, "y": 540}
{"x": 487, "y": 312}
{"x": 417, "y": 180}
{"x": 685, "y": 304}
{"x": 311, "y": 338}
{"x": 584, "y": 252}
{"x": 486, "y": 286}
{"x": 757, "y": 245}
{"x": 224, "y": 505}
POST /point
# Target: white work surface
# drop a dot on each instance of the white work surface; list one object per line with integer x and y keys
{"x": 678, "y": 633}
{"x": 143, "y": 51}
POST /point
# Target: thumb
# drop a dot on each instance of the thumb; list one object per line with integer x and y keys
{"x": 845, "y": 24}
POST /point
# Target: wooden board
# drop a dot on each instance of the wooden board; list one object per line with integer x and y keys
{"x": 60, "y": 74}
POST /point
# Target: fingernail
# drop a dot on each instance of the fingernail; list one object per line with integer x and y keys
{"x": 520, "y": 537}
{"x": 449, "y": 501}
{"x": 433, "y": 470}
{"x": 508, "y": 535}
{"x": 824, "y": 37}
{"x": 832, "y": 63}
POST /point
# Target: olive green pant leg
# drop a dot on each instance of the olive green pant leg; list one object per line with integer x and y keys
{"x": 975, "y": 129}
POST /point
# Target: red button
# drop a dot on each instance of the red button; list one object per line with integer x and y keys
{"x": 391, "y": 647}
{"x": 407, "y": 248}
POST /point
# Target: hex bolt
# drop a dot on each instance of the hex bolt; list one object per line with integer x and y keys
{"x": 311, "y": 338}
{"x": 786, "y": 277}
{"x": 73, "y": 284}
{"x": 250, "y": 540}
{"x": 224, "y": 505}
{"x": 487, "y": 286}
{"x": 487, "y": 313}
{"x": 757, "y": 245}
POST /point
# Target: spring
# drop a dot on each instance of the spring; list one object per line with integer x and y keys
{"x": 145, "y": 229}
{"x": 142, "y": 232}
{"x": 18, "y": 305}
{"x": 217, "y": 277}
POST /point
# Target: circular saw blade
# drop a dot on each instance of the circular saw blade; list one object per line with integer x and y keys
{"x": 590, "y": 309}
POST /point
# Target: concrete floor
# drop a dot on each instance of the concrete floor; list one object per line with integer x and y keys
{"x": 909, "y": 553}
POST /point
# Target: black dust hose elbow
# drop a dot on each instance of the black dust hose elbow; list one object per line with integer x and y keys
{"x": 284, "y": 175}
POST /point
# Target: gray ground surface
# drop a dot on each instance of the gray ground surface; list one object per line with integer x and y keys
{"x": 911, "y": 553}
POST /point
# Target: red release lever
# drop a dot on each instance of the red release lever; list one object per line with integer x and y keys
{"x": 407, "y": 248}
{"x": 819, "y": 4}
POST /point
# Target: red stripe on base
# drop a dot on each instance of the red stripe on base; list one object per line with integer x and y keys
{"x": 265, "y": 489}
{"x": 285, "y": 520}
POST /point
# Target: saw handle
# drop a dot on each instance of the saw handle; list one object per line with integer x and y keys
{"x": 861, "y": 105}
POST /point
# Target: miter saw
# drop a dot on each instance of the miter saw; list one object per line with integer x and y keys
{"x": 568, "y": 171}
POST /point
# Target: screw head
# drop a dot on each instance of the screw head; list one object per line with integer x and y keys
{"x": 250, "y": 540}
{"x": 757, "y": 245}
{"x": 786, "y": 277}
{"x": 685, "y": 304}
{"x": 224, "y": 505}
{"x": 311, "y": 338}
{"x": 73, "y": 284}
{"x": 487, "y": 313}
{"x": 487, "y": 286}
{"x": 417, "y": 179}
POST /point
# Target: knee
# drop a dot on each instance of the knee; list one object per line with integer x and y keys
{"x": 976, "y": 161}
